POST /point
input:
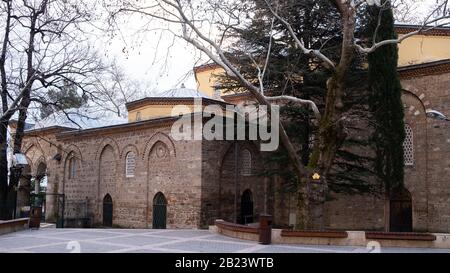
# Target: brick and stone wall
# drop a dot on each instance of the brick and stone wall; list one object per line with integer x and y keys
{"x": 162, "y": 165}
{"x": 197, "y": 178}
{"x": 220, "y": 188}
{"x": 429, "y": 178}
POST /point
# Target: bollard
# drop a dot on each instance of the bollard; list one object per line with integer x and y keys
{"x": 265, "y": 229}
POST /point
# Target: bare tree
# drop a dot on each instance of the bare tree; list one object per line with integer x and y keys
{"x": 43, "y": 46}
{"x": 205, "y": 24}
{"x": 114, "y": 88}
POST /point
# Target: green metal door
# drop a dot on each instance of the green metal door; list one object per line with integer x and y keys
{"x": 107, "y": 211}
{"x": 159, "y": 211}
{"x": 246, "y": 208}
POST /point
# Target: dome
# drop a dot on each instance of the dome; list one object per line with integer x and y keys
{"x": 181, "y": 92}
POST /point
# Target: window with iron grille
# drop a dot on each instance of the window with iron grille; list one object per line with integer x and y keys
{"x": 408, "y": 146}
{"x": 130, "y": 164}
{"x": 246, "y": 167}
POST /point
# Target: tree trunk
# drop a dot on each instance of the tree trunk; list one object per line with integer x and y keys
{"x": 4, "y": 212}
{"x": 303, "y": 216}
{"x": 18, "y": 137}
{"x": 331, "y": 128}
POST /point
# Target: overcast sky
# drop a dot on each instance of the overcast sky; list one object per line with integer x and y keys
{"x": 152, "y": 57}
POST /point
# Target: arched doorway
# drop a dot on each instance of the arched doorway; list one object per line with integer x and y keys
{"x": 400, "y": 210}
{"x": 40, "y": 184}
{"x": 246, "y": 207}
{"x": 159, "y": 211}
{"x": 107, "y": 211}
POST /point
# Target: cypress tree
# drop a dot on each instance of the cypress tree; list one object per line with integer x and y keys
{"x": 290, "y": 72}
{"x": 385, "y": 99}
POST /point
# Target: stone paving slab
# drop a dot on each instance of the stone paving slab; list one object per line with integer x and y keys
{"x": 54, "y": 240}
{"x": 206, "y": 246}
{"x": 133, "y": 241}
{"x": 85, "y": 247}
{"x": 12, "y": 243}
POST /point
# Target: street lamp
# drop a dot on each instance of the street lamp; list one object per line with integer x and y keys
{"x": 316, "y": 176}
{"x": 19, "y": 161}
{"x": 434, "y": 114}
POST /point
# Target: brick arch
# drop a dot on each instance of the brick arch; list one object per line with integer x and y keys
{"x": 116, "y": 154}
{"x": 105, "y": 142}
{"x": 252, "y": 148}
{"x": 29, "y": 160}
{"x": 416, "y": 177}
{"x": 159, "y": 136}
{"x": 225, "y": 204}
{"x": 106, "y": 186}
{"x": 73, "y": 151}
{"x": 422, "y": 97}
{"x": 412, "y": 111}
{"x": 31, "y": 144}
{"x": 28, "y": 146}
{"x": 37, "y": 159}
{"x": 72, "y": 148}
{"x": 27, "y": 170}
{"x": 242, "y": 146}
{"x": 34, "y": 168}
{"x": 128, "y": 148}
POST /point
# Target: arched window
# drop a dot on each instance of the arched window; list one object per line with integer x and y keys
{"x": 72, "y": 167}
{"x": 130, "y": 164}
{"x": 138, "y": 116}
{"x": 246, "y": 167}
{"x": 408, "y": 146}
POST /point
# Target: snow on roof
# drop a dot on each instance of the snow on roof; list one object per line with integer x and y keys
{"x": 82, "y": 118}
{"x": 181, "y": 92}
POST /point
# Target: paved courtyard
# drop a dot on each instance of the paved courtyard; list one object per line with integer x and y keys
{"x": 53, "y": 240}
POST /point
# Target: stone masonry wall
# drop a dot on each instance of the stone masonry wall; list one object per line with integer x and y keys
{"x": 162, "y": 165}
{"x": 434, "y": 93}
{"x": 197, "y": 177}
{"x": 218, "y": 188}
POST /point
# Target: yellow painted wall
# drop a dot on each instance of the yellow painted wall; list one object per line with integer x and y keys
{"x": 206, "y": 80}
{"x": 414, "y": 50}
{"x": 150, "y": 111}
{"x": 420, "y": 49}
{"x": 158, "y": 111}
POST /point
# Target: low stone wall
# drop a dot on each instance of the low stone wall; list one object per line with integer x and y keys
{"x": 13, "y": 225}
{"x": 361, "y": 238}
{"x": 410, "y": 239}
{"x": 236, "y": 231}
{"x": 337, "y": 238}
{"x": 281, "y": 236}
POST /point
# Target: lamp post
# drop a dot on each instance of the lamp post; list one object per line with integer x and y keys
{"x": 236, "y": 178}
{"x": 19, "y": 161}
{"x": 15, "y": 174}
{"x": 434, "y": 114}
